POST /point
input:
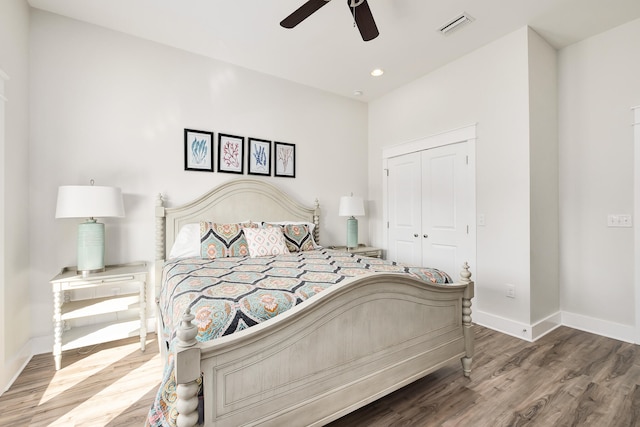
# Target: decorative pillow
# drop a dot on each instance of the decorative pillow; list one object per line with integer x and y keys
{"x": 298, "y": 235}
{"x": 298, "y": 238}
{"x": 218, "y": 240}
{"x": 265, "y": 241}
{"x": 187, "y": 243}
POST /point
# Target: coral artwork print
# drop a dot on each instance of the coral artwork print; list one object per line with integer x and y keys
{"x": 230, "y": 153}
{"x": 285, "y": 159}
{"x": 284, "y": 156}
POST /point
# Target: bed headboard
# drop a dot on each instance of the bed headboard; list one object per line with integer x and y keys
{"x": 234, "y": 201}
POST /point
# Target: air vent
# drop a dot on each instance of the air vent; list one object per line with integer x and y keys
{"x": 455, "y": 24}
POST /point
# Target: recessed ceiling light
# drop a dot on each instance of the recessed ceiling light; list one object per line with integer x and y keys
{"x": 377, "y": 72}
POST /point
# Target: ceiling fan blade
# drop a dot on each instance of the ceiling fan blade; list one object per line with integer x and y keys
{"x": 302, "y": 13}
{"x": 364, "y": 20}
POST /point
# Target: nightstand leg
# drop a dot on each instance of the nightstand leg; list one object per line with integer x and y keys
{"x": 57, "y": 328}
{"x": 143, "y": 316}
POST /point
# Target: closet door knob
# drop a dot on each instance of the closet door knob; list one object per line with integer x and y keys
{"x": 415, "y": 235}
{"x": 426, "y": 236}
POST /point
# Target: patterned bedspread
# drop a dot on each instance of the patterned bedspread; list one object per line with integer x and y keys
{"x": 231, "y": 294}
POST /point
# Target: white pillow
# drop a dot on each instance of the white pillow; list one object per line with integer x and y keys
{"x": 265, "y": 241}
{"x": 187, "y": 243}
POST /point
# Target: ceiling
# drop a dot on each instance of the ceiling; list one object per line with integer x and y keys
{"x": 326, "y": 51}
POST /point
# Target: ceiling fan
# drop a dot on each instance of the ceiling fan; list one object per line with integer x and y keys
{"x": 359, "y": 9}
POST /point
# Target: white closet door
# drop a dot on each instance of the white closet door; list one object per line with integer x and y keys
{"x": 445, "y": 233}
{"x": 404, "y": 214}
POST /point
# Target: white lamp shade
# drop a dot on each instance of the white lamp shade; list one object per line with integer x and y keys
{"x": 351, "y": 206}
{"x": 89, "y": 201}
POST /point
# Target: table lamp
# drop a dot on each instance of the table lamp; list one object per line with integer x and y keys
{"x": 351, "y": 206}
{"x": 90, "y": 202}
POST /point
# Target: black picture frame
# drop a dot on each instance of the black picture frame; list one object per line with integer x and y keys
{"x": 230, "y": 153}
{"x": 284, "y": 160}
{"x": 259, "y": 157}
{"x": 198, "y": 150}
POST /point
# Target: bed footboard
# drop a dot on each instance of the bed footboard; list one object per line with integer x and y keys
{"x": 349, "y": 345}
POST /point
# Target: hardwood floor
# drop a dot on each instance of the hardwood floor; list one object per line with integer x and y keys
{"x": 567, "y": 378}
{"x": 110, "y": 384}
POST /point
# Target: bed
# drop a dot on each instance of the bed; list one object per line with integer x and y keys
{"x": 334, "y": 350}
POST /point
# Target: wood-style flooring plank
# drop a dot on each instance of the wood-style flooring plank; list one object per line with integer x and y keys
{"x": 108, "y": 384}
{"x": 566, "y": 378}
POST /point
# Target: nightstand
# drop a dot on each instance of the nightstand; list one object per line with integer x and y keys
{"x": 361, "y": 250}
{"x": 100, "y": 307}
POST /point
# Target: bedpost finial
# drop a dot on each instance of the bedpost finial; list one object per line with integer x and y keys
{"x": 159, "y": 199}
{"x": 187, "y": 331}
{"x": 465, "y": 274}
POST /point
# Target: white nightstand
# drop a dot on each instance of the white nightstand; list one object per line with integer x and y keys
{"x": 118, "y": 289}
{"x": 361, "y": 250}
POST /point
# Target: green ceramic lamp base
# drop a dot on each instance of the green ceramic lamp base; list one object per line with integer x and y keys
{"x": 352, "y": 233}
{"x": 90, "y": 247}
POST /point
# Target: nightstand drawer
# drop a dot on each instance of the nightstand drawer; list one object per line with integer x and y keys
{"x": 361, "y": 250}
{"x": 374, "y": 253}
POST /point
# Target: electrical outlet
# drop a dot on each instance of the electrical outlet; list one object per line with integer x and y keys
{"x": 510, "y": 291}
{"x": 625, "y": 220}
{"x": 619, "y": 220}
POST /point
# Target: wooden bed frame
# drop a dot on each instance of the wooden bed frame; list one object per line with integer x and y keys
{"x": 338, "y": 351}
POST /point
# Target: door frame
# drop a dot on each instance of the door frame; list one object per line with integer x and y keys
{"x": 466, "y": 134}
{"x": 636, "y": 214}
{"x": 8, "y": 371}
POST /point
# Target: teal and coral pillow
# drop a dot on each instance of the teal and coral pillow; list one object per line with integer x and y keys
{"x": 298, "y": 237}
{"x": 220, "y": 240}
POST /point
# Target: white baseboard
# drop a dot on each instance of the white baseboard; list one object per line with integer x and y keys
{"x": 12, "y": 369}
{"x": 504, "y": 325}
{"x": 546, "y": 325}
{"x": 42, "y": 345}
{"x": 539, "y": 329}
{"x": 605, "y": 328}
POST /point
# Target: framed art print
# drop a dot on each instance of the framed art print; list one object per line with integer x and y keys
{"x": 259, "y": 159}
{"x": 198, "y": 150}
{"x": 230, "y": 153}
{"x": 285, "y": 159}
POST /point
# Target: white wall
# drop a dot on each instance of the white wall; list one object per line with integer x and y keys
{"x": 599, "y": 82}
{"x": 113, "y": 107}
{"x": 543, "y": 160}
{"x": 14, "y": 191}
{"x": 489, "y": 87}
{"x": 533, "y": 183}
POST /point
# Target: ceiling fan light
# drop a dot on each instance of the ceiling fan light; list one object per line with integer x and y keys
{"x": 377, "y": 72}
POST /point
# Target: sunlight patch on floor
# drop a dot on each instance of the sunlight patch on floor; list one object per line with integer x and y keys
{"x": 90, "y": 365}
{"x": 120, "y": 395}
